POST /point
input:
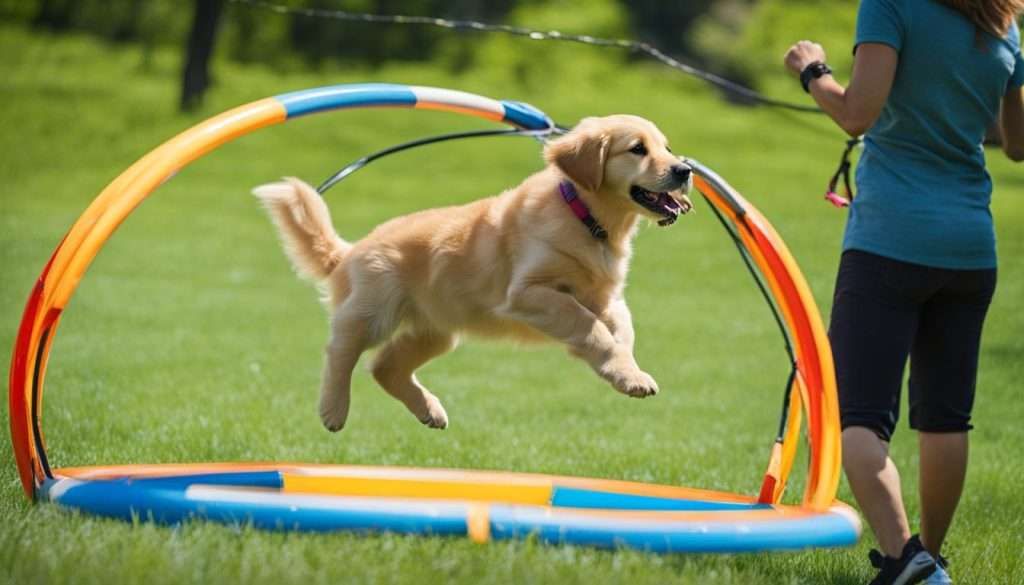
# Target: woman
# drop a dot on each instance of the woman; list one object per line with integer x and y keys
{"x": 918, "y": 268}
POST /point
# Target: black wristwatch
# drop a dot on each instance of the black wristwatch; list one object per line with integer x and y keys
{"x": 813, "y": 71}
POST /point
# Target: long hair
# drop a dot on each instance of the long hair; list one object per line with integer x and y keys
{"x": 991, "y": 16}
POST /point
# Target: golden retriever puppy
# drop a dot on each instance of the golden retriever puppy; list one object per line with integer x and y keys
{"x": 544, "y": 260}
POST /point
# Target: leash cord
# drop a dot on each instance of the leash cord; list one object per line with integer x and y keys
{"x": 843, "y": 171}
{"x": 363, "y": 161}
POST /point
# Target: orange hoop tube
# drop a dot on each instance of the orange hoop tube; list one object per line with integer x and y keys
{"x": 800, "y": 314}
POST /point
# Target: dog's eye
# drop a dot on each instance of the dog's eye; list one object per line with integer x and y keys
{"x": 668, "y": 149}
{"x": 639, "y": 149}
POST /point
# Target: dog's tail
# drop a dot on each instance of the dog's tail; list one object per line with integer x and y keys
{"x": 304, "y": 223}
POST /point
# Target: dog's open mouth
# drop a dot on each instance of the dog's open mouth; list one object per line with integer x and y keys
{"x": 663, "y": 204}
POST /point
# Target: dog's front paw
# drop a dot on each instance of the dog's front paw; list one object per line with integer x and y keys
{"x": 436, "y": 417}
{"x": 631, "y": 381}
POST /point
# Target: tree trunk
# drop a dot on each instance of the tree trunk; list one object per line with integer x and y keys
{"x": 196, "y": 76}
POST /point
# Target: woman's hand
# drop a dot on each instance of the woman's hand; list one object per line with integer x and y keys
{"x": 802, "y": 54}
{"x": 856, "y": 108}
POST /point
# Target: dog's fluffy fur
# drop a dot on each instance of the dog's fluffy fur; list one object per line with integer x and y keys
{"x": 517, "y": 265}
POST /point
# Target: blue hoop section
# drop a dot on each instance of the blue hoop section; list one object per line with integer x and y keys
{"x": 311, "y": 101}
{"x": 483, "y": 506}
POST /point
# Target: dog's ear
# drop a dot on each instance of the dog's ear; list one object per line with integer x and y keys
{"x": 581, "y": 155}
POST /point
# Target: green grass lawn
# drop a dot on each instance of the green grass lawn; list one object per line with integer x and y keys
{"x": 191, "y": 340}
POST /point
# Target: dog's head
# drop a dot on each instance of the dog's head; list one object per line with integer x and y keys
{"x": 625, "y": 159}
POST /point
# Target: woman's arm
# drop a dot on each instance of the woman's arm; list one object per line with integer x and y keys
{"x": 1012, "y": 119}
{"x": 857, "y": 107}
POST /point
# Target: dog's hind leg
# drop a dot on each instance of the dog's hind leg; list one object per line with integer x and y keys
{"x": 394, "y": 366}
{"x": 350, "y": 337}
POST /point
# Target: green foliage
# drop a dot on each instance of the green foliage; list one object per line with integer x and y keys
{"x": 318, "y": 38}
{"x": 666, "y": 24}
{"x": 739, "y": 39}
{"x": 255, "y": 35}
{"x": 191, "y": 340}
{"x": 532, "y": 63}
{"x": 775, "y": 25}
{"x": 148, "y": 21}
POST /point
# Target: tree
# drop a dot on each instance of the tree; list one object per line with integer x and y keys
{"x": 128, "y": 26}
{"x": 666, "y": 24}
{"x": 196, "y": 74}
{"x": 57, "y": 15}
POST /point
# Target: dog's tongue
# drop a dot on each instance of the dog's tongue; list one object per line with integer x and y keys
{"x": 666, "y": 202}
{"x": 669, "y": 203}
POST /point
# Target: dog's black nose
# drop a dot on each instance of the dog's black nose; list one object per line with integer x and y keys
{"x": 681, "y": 172}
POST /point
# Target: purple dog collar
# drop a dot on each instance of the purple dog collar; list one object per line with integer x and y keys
{"x": 579, "y": 209}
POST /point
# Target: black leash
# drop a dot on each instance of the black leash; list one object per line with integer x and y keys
{"x": 362, "y": 162}
{"x": 843, "y": 171}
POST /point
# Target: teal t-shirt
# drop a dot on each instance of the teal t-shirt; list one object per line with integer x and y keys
{"x": 922, "y": 189}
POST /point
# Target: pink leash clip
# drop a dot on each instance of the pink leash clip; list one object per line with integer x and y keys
{"x": 842, "y": 172}
{"x": 837, "y": 199}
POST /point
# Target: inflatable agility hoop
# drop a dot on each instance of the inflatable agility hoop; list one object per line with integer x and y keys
{"x": 481, "y": 505}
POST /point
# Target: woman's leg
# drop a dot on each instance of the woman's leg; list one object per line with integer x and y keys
{"x": 874, "y": 320}
{"x": 943, "y": 374}
{"x": 943, "y": 468}
{"x": 875, "y": 482}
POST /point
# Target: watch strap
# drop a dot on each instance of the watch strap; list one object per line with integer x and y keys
{"x": 811, "y": 72}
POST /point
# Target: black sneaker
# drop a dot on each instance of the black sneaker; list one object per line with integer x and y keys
{"x": 913, "y": 566}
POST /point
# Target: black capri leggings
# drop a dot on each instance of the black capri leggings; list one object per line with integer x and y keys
{"x": 885, "y": 310}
